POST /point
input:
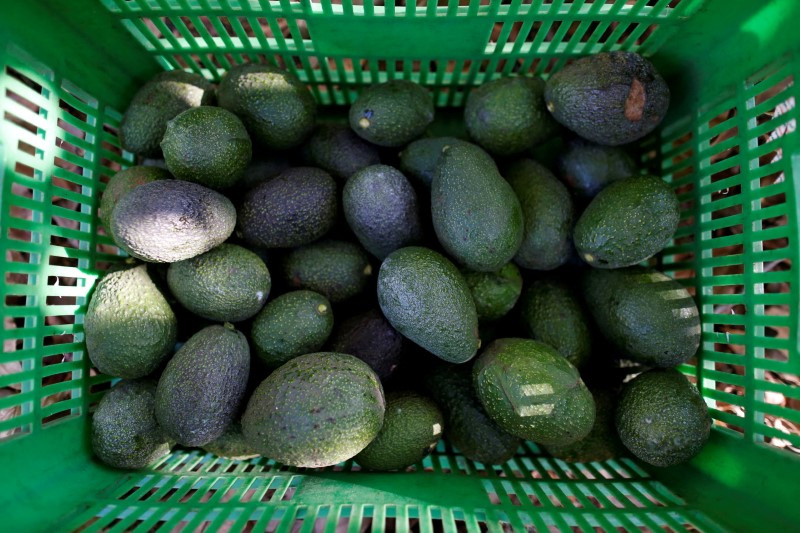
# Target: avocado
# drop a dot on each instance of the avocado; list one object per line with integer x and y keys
{"x": 425, "y": 298}
{"x": 602, "y": 443}
{"x": 552, "y": 313}
{"x": 661, "y": 418}
{"x": 338, "y": 150}
{"x": 531, "y": 391}
{"x": 393, "y": 113}
{"x": 207, "y": 145}
{"x": 548, "y": 212}
{"x": 467, "y": 426}
{"x": 627, "y": 222}
{"x": 295, "y": 208}
{"x": 508, "y": 115}
{"x": 412, "y": 426}
{"x": 337, "y": 269}
{"x": 262, "y": 168}
{"x": 231, "y": 444}
{"x": 158, "y": 101}
{"x": 380, "y": 206}
{"x": 202, "y": 387}
{"x": 295, "y": 323}
{"x": 420, "y": 158}
{"x": 121, "y": 184}
{"x": 129, "y": 326}
{"x": 316, "y": 410}
{"x": 371, "y": 338}
{"x": 610, "y": 98}
{"x": 125, "y": 433}
{"x": 277, "y": 108}
{"x": 649, "y": 316}
{"x": 166, "y": 221}
{"x": 227, "y": 283}
{"x": 494, "y": 293}
{"x": 476, "y": 215}
{"x": 586, "y": 168}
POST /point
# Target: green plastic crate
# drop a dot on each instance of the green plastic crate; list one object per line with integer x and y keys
{"x": 729, "y": 147}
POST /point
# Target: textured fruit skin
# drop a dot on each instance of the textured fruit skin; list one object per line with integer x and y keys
{"x": 476, "y": 215}
{"x": 649, "y": 316}
{"x": 419, "y": 159}
{"x": 124, "y": 182}
{"x": 602, "y": 443}
{"x": 424, "y": 297}
{"x": 548, "y": 212}
{"x": 336, "y": 269}
{"x": 338, "y": 150}
{"x": 161, "y": 99}
{"x": 508, "y": 115}
{"x": 627, "y": 222}
{"x": 295, "y": 323}
{"x": 129, "y": 326}
{"x": 587, "y": 168}
{"x": 412, "y": 426}
{"x": 661, "y": 418}
{"x": 125, "y": 433}
{"x": 231, "y": 444}
{"x": 381, "y": 207}
{"x": 494, "y": 293}
{"x": 295, "y": 208}
{"x": 371, "y": 338}
{"x": 467, "y": 426}
{"x": 531, "y": 391}
{"x": 552, "y": 313}
{"x": 202, "y": 387}
{"x": 277, "y": 108}
{"x": 207, "y": 145}
{"x": 227, "y": 283}
{"x": 171, "y": 220}
{"x": 392, "y": 113}
{"x": 317, "y": 410}
{"x": 610, "y": 98}
{"x": 260, "y": 170}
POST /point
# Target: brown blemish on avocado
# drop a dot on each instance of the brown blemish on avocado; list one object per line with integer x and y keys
{"x": 634, "y": 103}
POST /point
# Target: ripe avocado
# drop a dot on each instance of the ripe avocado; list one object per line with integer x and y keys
{"x": 338, "y": 150}
{"x": 420, "y": 158}
{"x": 425, "y": 298}
{"x": 649, "y": 316}
{"x": 392, "y": 113}
{"x": 231, "y": 444}
{"x": 610, "y": 98}
{"x": 124, "y": 182}
{"x": 661, "y": 418}
{"x": 494, "y": 293}
{"x": 380, "y": 206}
{"x": 129, "y": 326}
{"x": 295, "y": 208}
{"x": 336, "y": 269}
{"x": 371, "y": 338}
{"x": 476, "y": 215}
{"x": 317, "y": 410}
{"x": 552, "y": 313}
{"x": 533, "y": 392}
{"x": 295, "y": 323}
{"x": 412, "y": 426}
{"x": 202, "y": 387}
{"x": 125, "y": 433}
{"x": 207, "y": 145}
{"x": 548, "y": 213}
{"x": 628, "y": 222}
{"x": 227, "y": 284}
{"x": 171, "y": 220}
{"x": 508, "y": 115}
{"x": 467, "y": 426}
{"x": 587, "y": 168}
{"x": 277, "y": 109}
{"x": 160, "y": 100}
{"x": 262, "y": 169}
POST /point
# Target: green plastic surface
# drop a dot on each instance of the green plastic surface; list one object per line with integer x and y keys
{"x": 728, "y": 146}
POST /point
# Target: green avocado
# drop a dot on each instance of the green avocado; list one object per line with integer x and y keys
{"x": 336, "y": 149}
{"x": 124, "y": 182}
{"x": 231, "y": 444}
{"x": 494, "y": 293}
{"x": 420, "y": 158}
{"x": 336, "y": 269}
{"x": 393, "y": 113}
{"x": 587, "y": 168}
{"x": 371, "y": 338}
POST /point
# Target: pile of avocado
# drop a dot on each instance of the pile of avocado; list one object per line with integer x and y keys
{"x": 314, "y": 291}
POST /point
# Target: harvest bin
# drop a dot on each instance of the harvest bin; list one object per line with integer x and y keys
{"x": 728, "y": 146}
